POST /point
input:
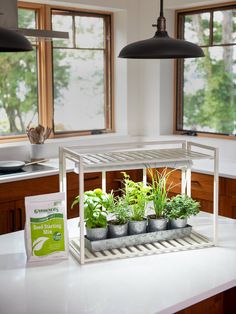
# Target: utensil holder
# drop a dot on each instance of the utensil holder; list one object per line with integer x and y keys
{"x": 37, "y": 151}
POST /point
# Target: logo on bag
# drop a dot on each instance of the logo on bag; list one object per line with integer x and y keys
{"x": 47, "y": 210}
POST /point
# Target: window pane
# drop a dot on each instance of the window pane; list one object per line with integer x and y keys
{"x": 62, "y": 23}
{"x": 197, "y": 28}
{"x": 225, "y": 27}
{"x": 209, "y": 103}
{"x": 18, "y": 97}
{"x": 26, "y": 18}
{"x": 79, "y": 99}
{"x": 89, "y": 32}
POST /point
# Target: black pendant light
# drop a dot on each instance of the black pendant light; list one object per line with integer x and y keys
{"x": 12, "y": 41}
{"x": 161, "y": 46}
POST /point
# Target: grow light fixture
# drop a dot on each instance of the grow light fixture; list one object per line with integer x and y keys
{"x": 161, "y": 46}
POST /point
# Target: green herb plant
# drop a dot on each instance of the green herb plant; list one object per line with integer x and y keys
{"x": 182, "y": 206}
{"x": 137, "y": 195}
{"x": 96, "y": 204}
{"x": 160, "y": 190}
{"x": 120, "y": 210}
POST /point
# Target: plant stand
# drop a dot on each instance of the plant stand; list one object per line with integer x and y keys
{"x": 154, "y": 154}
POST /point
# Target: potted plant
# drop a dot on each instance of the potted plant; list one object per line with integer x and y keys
{"x": 96, "y": 203}
{"x": 136, "y": 194}
{"x": 118, "y": 227}
{"x": 180, "y": 208}
{"x": 159, "y": 198}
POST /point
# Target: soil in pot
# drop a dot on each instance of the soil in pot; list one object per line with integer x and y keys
{"x": 156, "y": 224}
{"x": 137, "y": 227}
{"x": 95, "y": 234}
{"x": 115, "y": 230}
{"x": 178, "y": 223}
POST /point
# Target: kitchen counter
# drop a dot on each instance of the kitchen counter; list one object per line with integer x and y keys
{"x": 53, "y": 164}
{"x": 162, "y": 283}
{"x": 227, "y": 169}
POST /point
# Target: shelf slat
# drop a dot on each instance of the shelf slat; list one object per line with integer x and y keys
{"x": 194, "y": 241}
{"x": 145, "y": 158}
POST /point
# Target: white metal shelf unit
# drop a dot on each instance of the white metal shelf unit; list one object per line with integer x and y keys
{"x": 144, "y": 155}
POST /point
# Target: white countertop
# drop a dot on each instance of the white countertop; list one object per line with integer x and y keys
{"x": 54, "y": 163}
{"x": 227, "y": 169}
{"x": 227, "y": 150}
{"x": 162, "y": 283}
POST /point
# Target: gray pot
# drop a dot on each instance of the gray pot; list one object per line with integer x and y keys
{"x": 116, "y": 231}
{"x": 94, "y": 234}
{"x": 137, "y": 227}
{"x": 157, "y": 224}
{"x": 178, "y": 223}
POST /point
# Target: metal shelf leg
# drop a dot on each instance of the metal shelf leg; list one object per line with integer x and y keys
{"x": 81, "y": 208}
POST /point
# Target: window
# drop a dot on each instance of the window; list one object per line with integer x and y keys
{"x": 80, "y": 61}
{"x": 65, "y": 84}
{"x": 206, "y": 87}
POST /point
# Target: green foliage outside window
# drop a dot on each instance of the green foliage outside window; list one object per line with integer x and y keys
{"x": 18, "y": 87}
{"x": 209, "y": 83}
{"x": 19, "y": 84}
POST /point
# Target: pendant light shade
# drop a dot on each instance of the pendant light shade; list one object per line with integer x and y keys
{"x": 11, "y": 41}
{"x": 161, "y": 46}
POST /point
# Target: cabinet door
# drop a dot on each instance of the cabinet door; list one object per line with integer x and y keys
{"x": 222, "y": 303}
{"x": 12, "y": 200}
{"x": 12, "y": 216}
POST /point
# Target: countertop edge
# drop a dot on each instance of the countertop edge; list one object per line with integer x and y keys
{"x": 198, "y": 298}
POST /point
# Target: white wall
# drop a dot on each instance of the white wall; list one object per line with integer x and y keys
{"x": 167, "y": 84}
{"x": 143, "y": 75}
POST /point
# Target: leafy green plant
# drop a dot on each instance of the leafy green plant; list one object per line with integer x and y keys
{"x": 182, "y": 206}
{"x": 159, "y": 190}
{"x": 137, "y": 195}
{"x": 96, "y": 204}
{"x": 120, "y": 209}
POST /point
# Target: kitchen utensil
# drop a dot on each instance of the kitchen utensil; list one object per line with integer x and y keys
{"x": 38, "y": 135}
{"x": 16, "y": 165}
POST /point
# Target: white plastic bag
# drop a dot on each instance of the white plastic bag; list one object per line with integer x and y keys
{"x": 46, "y": 235}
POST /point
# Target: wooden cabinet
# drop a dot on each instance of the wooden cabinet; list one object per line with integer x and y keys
{"x": 12, "y": 194}
{"x": 222, "y": 303}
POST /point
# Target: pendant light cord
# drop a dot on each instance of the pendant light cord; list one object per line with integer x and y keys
{"x": 161, "y": 7}
{"x": 161, "y": 22}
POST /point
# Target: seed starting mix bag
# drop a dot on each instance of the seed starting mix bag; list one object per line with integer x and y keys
{"x": 46, "y": 235}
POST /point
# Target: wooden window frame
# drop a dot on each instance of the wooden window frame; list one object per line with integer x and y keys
{"x": 45, "y": 70}
{"x": 178, "y": 67}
